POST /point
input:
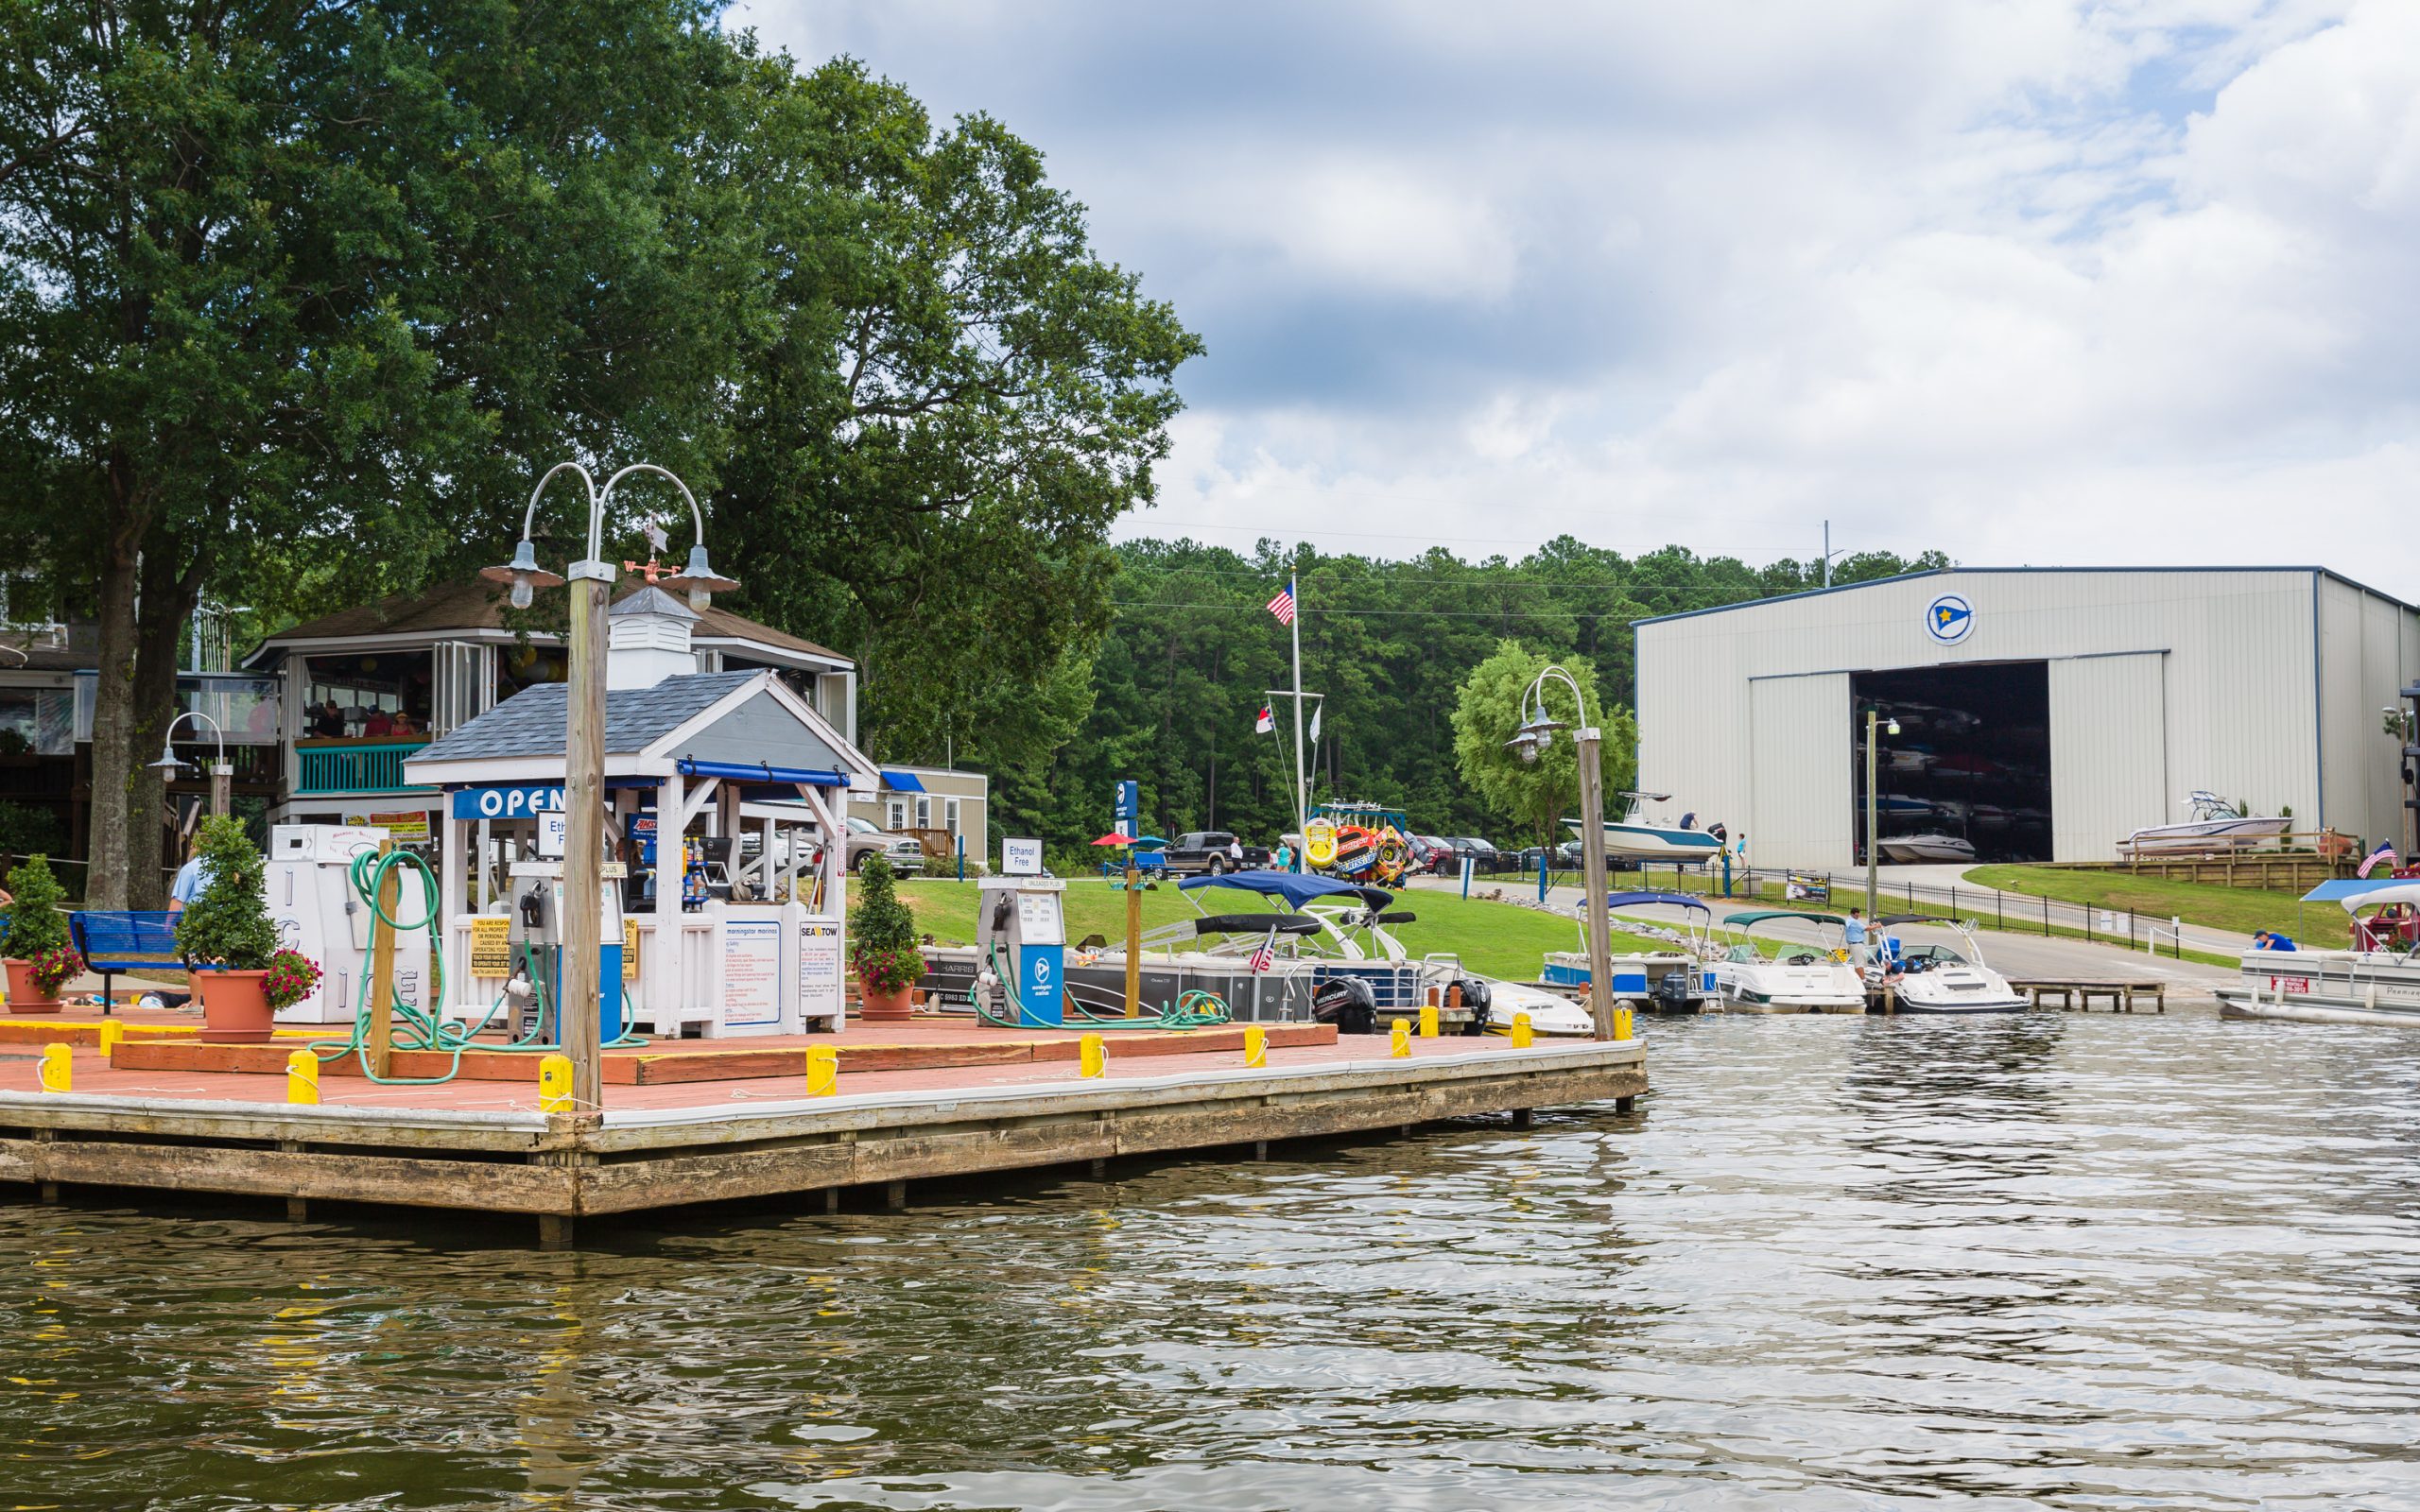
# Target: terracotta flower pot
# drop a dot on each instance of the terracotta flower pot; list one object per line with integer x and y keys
{"x": 234, "y": 1007}
{"x": 884, "y": 1007}
{"x": 24, "y": 997}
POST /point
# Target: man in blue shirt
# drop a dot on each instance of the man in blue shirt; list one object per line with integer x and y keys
{"x": 189, "y": 880}
{"x": 1855, "y": 932}
{"x": 2271, "y": 940}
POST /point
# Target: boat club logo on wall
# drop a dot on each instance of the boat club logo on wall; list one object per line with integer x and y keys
{"x": 1949, "y": 617}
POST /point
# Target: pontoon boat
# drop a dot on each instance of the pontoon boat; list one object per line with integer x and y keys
{"x": 2379, "y": 984}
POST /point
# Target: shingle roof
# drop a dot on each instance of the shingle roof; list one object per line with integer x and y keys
{"x": 479, "y": 605}
{"x": 531, "y": 722}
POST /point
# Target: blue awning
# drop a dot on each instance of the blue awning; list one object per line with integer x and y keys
{"x": 2338, "y": 889}
{"x": 743, "y": 772}
{"x": 899, "y": 782}
{"x": 1296, "y": 890}
{"x": 1674, "y": 900}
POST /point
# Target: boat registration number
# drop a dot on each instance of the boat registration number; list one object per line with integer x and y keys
{"x": 2290, "y": 984}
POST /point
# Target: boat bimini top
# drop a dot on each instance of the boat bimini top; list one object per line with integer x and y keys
{"x": 1669, "y": 900}
{"x": 1295, "y": 889}
{"x": 1757, "y": 916}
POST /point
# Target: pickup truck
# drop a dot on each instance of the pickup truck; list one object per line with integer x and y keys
{"x": 1197, "y": 852}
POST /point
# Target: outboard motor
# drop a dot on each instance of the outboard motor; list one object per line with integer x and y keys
{"x": 1347, "y": 1002}
{"x": 1671, "y": 990}
{"x": 1480, "y": 998}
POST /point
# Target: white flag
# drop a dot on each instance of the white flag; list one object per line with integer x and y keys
{"x": 1317, "y": 710}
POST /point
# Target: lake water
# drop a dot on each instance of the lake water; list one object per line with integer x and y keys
{"x": 2076, "y": 1262}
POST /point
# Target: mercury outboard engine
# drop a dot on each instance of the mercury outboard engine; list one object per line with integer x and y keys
{"x": 1478, "y": 998}
{"x": 1347, "y": 1002}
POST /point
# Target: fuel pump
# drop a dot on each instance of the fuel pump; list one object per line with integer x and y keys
{"x": 535, "y": 984}
{"x": 1021, "y": 936}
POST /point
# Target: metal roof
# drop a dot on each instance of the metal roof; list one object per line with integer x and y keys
{"x": 534, "y": 722}
{"x": 1952, "y": 572}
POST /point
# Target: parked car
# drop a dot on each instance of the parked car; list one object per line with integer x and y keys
{"x": 868, "y": 838}
{"x": 1430, "y": 853}
{"x": 1211, "y": 852}
{"x": 1485, "y": 859}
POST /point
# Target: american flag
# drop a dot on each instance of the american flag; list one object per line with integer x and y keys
{"x": 1264, "y": 957}
{"x": 1282, "y": 605}
{"x": 2385, "y": 852}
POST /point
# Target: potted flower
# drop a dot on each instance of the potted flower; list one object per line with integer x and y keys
{"x": 227, "y": 934}
{"x": 882, "y": 945}
{"x": 40, "y": 959}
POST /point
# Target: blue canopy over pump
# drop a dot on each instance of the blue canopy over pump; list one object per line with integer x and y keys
{"x": 1296, "y": 889}
{"x": 1675, "y": 900}
{"x": 744, "y": 772}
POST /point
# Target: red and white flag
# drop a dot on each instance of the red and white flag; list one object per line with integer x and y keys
{"x": 1264, "y": 957}
{"x": 1265, "y": 724}
{"x": 1282, "y": 605}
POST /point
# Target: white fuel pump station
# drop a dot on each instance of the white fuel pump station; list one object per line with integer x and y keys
{"x": 533, "y": 984}
{"x": 312, "y": 902}
{"x": 1021, "y": 932}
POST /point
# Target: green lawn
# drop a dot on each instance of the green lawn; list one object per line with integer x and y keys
{"x": 1497, "y": 938}
{"x": 2243, "y": 909}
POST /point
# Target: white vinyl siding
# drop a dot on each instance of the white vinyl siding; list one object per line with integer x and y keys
{"x": 2108, "y": 752}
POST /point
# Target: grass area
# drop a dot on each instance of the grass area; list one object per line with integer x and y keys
{"x": 1499, "y": 939}
{"x": 2242, "y": 909}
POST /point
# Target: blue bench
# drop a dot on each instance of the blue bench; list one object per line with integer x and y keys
{"x": 124, "y": 940}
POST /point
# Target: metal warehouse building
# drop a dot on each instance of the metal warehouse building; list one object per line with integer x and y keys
{"x": 2045, "y": 713}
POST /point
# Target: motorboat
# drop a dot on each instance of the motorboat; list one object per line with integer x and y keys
{"x": 1914, "y": 847}
{"x": 2215, "y": 827}
{"x": 1798, "y": 978}
{"x": 2380, "y": 983}
{"x": 1941, "y": 978}
{"x": 1674, "y": 980}
{"x": 1634, "y": 835}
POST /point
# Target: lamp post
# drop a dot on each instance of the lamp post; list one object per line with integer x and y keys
{"x": 1872, "y": 806}
{"x": 221, "y": 775}
{"x": 584, "y": 747}
{"x": 1535, "y": 734}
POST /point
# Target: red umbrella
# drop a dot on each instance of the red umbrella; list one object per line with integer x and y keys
{"x": 1115, "y": 839}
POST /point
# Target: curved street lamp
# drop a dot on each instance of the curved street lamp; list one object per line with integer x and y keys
{"x": 584, "y": 745}
{"x": 1531, "y": 742}
{"x": 221, "y": 774}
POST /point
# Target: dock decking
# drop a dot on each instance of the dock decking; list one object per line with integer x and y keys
{"x": 915, "y": 1102}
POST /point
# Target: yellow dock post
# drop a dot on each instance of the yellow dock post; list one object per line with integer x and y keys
{"x": 303, "y": 1077}
{"x": 1429, "y": 1020}
{"x": 1255, "y": 1046}
{"x": 1522, "y": 1032}
{"x": 1399, "y": 1038}
{"x": 1134, "y": 937}
{"x": 823, "y": 1071}
{"x": 1621, "y": 1023}
{"x": 58, "y": 1068}
{"x": 111, "y": 1032}
{"x": 1093, "y": 1055}
{"x": 554, "y": 1084}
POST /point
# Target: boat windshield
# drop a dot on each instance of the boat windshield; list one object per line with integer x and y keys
{"x": 1743, "y": 955}
{"x": 1934, "y": 955}
{"x": 1804, "y": 956}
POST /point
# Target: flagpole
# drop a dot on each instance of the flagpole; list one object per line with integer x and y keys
{"x": 1301, "y": 778}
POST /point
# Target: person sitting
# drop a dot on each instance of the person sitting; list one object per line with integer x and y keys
{"x": 403, "y": 724}
{"x": 328, "y": 721}
{"x": 379, "y": 723}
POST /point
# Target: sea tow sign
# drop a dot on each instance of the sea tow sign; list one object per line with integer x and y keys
{"x": 507, "y": 803}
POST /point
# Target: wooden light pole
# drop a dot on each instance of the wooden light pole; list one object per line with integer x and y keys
{"x": 577, "y": 1013}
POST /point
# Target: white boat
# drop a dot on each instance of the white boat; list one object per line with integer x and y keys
{"x": 2336, "y": 986}
{"x": 1636, "y": 836}
{"x": 1911, "y": 847}
{"x": 2215, "y": 826}
{"x": 1798, "y": 979}
{"x": 1940, "y": 979}
{"x": 1674, "y": 980}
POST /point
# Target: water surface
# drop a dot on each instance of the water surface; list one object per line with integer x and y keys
{"x": 2074, "y": 1261}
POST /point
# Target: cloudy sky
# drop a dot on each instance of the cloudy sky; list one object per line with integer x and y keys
{"x": 2029, "y": 281}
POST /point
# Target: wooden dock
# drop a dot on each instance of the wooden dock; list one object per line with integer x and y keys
{"x": 1011, "y": 1102}
{"x": 2121, "y": 996}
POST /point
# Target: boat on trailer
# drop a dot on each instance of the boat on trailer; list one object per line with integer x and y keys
{"x": 1914, "y": 847}
{"x": 2376, "y": 984}
{"x": 2214, "y": 829}
{"x": 1941, "y": 978}
{"x": 1798, "y": 978}
{"x": 1637, "y": 835}
{"x": 1676, "y": 980}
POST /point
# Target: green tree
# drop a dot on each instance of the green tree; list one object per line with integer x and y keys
{"x": 1535, "y": 795}
{"x": 952, "y": 399}
{"x": 291, "y": 286}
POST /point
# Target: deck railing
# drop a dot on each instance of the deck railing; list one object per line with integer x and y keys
{"x": 355, "y": 768}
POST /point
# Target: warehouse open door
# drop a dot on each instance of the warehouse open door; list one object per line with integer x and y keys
{"x": 2108, "y": 752}
{"x": 1800, "y": 743}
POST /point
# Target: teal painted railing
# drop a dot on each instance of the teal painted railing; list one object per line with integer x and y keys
{"x": 355, "y": 768}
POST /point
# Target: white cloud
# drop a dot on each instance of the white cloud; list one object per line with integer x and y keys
{"x": 2026, "y": 280}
